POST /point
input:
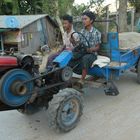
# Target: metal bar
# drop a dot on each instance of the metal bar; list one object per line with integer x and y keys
{"x": 47, "y": 73}
{"x": 1, "y": 40}
{"x": 45, "y": 88}
{"x": 117, "y": 27}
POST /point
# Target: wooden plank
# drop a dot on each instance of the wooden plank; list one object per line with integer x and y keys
{"x": 116, "y": 64}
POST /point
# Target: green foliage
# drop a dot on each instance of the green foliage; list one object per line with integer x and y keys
{"x": 10, "y": 7}
{"x": 97, "y": 5}
{"x": 78, "y": 9}
{"x": 99, "y": 10}
{"x": 136, "y": 4}
{"x": 64, "y": 6}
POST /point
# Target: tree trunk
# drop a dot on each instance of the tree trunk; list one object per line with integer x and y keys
{"x": 57, "y": 16}
{"x": 123, "y": 15}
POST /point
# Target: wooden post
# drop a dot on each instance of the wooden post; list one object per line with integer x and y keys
{"x": 107, "y": 24}
{"x": 117, "y": 14}
{"x": 1, "y": 40}
{"x": 132, "y": 19}
{"x": 107, "y": 12}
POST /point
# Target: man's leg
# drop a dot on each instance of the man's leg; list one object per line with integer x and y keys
{"x": 51, "y": 58}
{"x": 87, "y": 61}
{"x": 84, "y": 74}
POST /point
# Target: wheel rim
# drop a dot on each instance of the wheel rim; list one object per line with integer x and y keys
{"x": 70, "y": 112}
{"x": 10, "y": 95}
{"x": 66, "y": 74}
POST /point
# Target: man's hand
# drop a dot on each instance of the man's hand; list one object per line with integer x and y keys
{"x": 89, "y": 50}
{"x": 93, "y": 49}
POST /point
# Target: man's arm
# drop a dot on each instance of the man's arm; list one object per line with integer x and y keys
{"x": 94, "y": 49}
{"x": 97, "y": 41}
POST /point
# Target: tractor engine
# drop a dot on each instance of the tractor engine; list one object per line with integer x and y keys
{"x": 22, "y": 83}
{"x": 30, "y": 63}
{"x": 14, "y": 72}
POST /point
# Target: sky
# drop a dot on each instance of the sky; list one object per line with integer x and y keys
{"x": 112, "y": 2}
{"x": 85, "y": 1}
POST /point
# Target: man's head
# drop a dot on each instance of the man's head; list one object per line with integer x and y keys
{"x": 88, "y": 18}
{"x": 67, "y": 22}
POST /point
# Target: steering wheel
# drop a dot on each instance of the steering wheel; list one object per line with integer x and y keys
{"x": 80, "y": 46}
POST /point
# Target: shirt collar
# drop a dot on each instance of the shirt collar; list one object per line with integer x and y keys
{"x": 72, "y": 30}
{"x": 91, "y": 30}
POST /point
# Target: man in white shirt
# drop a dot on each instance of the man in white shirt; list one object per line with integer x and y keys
{"x": 68, "y": 27}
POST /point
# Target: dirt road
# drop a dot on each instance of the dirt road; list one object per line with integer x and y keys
{"x": 105, "y": 118}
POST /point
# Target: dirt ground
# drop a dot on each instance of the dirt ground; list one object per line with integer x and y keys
{"x": 105, "y": 118}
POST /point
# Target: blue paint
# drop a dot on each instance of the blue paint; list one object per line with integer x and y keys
{"x": 114, "y": 46}
{"x": 6, "y": 94}
{"x": 96, "y": 71}
{"x": 12, "y": 22}
{"x": 111, "y": 48}
{"x": 63, "y": 59}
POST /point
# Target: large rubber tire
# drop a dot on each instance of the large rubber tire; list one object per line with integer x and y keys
{"x": 6, "y": 95}
{"x": 56, "y": 110}
{"x": 138, "y": 72}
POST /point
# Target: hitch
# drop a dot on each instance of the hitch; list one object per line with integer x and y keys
{"x": 111, "y": 89}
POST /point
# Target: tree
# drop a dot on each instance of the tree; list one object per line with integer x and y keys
{"x": 1, "y": 2}
{"x": 5, "y": 7}
{"x": 97, "y": 5}
{"x": 15, "y": 7}
{"x": 57, "y": 9}
{"x": 123, "y": 15}
{"x": 31, "y": 6}
{"x": 9, "y": 7}
{"x": 135, "y": 4}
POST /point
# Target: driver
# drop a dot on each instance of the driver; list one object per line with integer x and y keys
{"x": 93, "y": 36}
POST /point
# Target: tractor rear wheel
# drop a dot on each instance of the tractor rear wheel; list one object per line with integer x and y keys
{"x": 138, "y": 72}
{"x": 13, "y": 91}
{"x": 65, "y": 110}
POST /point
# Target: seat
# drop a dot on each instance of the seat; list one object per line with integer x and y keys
{"x": 101, "y": 61}
{"x": 116, "y": 64}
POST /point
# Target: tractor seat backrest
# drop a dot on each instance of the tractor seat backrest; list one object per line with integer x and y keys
{"x": 104, "y": 47}
{"x": 110, "y": 46}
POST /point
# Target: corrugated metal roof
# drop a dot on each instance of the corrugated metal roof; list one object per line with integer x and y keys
{"x": 18, "y": 21}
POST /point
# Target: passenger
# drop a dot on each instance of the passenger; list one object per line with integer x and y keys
{"x": 68, "y": 27}
{"x": 93, "y": 36}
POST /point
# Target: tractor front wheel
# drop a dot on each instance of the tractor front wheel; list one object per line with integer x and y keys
{"x": 65, "y": 110}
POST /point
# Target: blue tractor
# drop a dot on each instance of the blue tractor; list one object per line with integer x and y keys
{"x": 25, "y": 89}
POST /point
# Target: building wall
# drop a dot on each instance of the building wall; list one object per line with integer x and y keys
{"x": 37, "y": 34}
{"x": 54, "y": 35}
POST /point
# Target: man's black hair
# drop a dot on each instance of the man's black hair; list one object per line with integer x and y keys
{"x": 68, "y": 18}
{"x": 89, "y": 14}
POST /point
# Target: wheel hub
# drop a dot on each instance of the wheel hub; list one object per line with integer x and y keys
{"x": 70, "y": 112}
{"x": 18, "y": 88}
{"x": 67, "y": 74}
